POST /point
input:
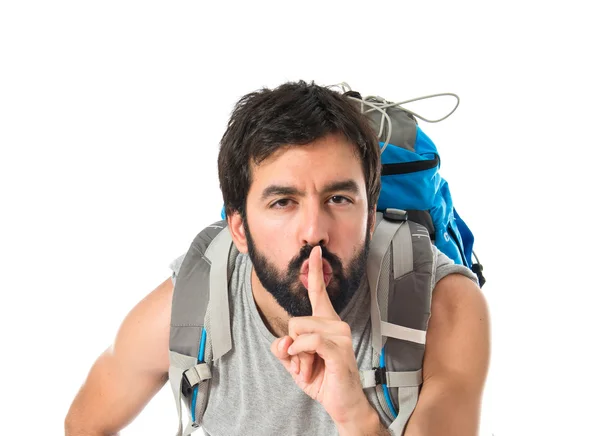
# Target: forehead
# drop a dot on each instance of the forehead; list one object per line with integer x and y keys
{"x": 310, "y": 166}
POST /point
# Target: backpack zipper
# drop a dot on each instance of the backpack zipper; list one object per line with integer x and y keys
{"x": 409, "y": 167}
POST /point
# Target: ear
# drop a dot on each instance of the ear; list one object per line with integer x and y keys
{"x": 238, "y": 234}
{"x": 372, "y": 220}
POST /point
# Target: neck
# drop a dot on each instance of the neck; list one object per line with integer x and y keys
{"x": 276, "y": 319}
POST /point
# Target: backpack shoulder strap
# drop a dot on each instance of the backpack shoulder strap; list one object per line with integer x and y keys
{"x": 200, "y": 295}
{"x": 400, "y": 270}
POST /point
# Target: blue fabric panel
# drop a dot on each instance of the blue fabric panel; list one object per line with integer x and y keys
{"x": 394, "y": 154}
{"x": 412, "y": 190}
{"x": 409, "y": 191}
{"x": 423, "y": 144}
{"x": 467, "y": 237}
{"x": 424, "y": 190}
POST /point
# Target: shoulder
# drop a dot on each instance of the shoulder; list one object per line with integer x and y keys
{"x": 444, "y": 266}
{"x": 457, "y": 354}
{"x": 143, "y": 337}
{"x": 458, "y": 335}
{"x": 456, "y": 292}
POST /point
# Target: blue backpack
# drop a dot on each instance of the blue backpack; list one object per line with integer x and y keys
{"x": 410, "y": 177}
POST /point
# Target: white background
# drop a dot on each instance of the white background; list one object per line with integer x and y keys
{"x": 110, "y": 118}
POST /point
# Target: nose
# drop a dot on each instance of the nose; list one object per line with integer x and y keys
{"x": 314, "y": 225}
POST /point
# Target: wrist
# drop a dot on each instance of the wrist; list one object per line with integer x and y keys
{"x": 363, "y": 422}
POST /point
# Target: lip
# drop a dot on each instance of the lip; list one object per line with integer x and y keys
{"x": 327, "y": 273}
{"x": 326, "y": 279}
{"x": 327, "y": 270}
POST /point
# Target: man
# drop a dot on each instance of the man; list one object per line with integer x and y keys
{"x": 300, "y": 174}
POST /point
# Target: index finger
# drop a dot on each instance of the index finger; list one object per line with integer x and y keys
{"x": 317, "y": 293}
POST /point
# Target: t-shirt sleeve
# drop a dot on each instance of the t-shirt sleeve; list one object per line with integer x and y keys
{"x": 444, "y": 266}
{"x": 175, "y": 266}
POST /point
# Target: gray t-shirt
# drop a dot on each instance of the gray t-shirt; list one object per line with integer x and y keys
{"x": 252, "y": 393}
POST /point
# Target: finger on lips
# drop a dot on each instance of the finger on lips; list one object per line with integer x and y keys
{"x": 317, "y": 292}
{"x": 306, "y": 334}
{"x": 315, "y": 270}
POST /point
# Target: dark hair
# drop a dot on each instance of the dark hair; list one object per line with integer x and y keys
{"x": 291, "y": 114}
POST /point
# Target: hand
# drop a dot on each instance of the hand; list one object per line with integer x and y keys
{"x": 319, "y": 356}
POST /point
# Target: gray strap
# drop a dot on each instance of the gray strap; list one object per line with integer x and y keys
{"x": 395, "y": 379}
{"x": 179, "y": 363}
{"x": 176, "y": 381}
{"x": 175, "y": 376}
{"x": 404, "y": 379}
{"x": 218, "y": 254}
{"x": 403, "y": 252}
{"x": 198, "y": 374}
{"x": 379, "y": 246}
{"x": 408, "y": 401}
{"x": 404, "y": 333}
{"x": 367, "y": 378}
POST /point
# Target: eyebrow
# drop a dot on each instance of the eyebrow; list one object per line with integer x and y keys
{"x": 343, "y": 185}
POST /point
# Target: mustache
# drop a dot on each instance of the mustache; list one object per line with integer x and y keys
{"x": 296, "y": 263}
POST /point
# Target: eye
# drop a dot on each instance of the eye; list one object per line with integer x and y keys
{"x": 281, "y": 204}
{"x": 339, "y": 199}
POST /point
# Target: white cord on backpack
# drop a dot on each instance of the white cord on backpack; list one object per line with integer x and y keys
{"x": 381, "y": 105}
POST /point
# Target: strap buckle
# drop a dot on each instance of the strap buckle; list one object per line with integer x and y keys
{"x": 186, "y": 388}
{"x": 380, "y": 376}
{"x": 397, "y": 215}
{"x": 193, "y": 377}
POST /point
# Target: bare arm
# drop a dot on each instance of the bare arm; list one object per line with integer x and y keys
{"x": 128, "y": 374}
{"x": 456, "y": 361}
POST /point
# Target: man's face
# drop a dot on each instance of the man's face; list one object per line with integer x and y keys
{"x": 304, "y": 196}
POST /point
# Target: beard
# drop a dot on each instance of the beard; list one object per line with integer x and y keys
{"x": 288, "y": 290}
